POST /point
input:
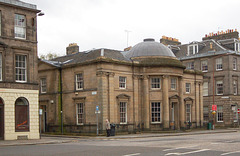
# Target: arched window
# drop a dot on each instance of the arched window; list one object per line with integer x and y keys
{"x": 21, "y": 115}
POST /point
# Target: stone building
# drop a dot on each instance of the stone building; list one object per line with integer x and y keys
{"x": 146, "y": 88}
{"x": 18, "y": 71}
{"x": 217, "y": 56}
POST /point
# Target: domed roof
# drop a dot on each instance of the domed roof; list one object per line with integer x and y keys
{"x": 149, "y": 48}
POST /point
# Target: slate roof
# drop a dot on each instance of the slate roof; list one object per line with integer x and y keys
{"x": 87, "y": 56}
{"x": 218, "y": 47}
{"x": 20, "y": 4}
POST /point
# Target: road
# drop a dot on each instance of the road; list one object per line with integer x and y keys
{"x": 193, "y": 145}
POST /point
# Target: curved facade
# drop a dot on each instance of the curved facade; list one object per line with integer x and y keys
{"x": 148, "y": 90}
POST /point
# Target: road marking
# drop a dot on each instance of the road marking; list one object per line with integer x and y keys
{"x": 230, "y": 153}
{"x": 171, "y": 149}
{"x": 202, "y": 150}
{"x": 132, "y": 154}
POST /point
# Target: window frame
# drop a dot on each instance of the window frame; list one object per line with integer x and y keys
{"x": 20, "y": 27}
{"x": 220, "y": 113}
{"x": 194, "y": 49}
{"x": 235, "y": 88}
{"x": 79, "y": 81}
{"x": 205, "y": 114}
{"x": 204, "y": 67}
{"x": 190, "y": 65}
{"x": 122, "y": 84}
{"x": 219, "y": 65}
{"x": 123, "y": 112}
{"x": 43, "y": 85}
{"x": 80, "y": 111}
{"x": 234, "y": 63}
{"x": 188, "y": 112}
{"x": 173, "y": 84}
{"x": 188, "y": 88}
{"x": 237, "y": 46}
{"x": 205, "y": 89}
{"x": 155, "y": 84}
{"x": 219, "y": 87}
{"x": 19, "y": 70}
{"x": 156, "y": 112}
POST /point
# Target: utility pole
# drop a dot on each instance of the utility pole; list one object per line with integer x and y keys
{"x": 127, "y": 31}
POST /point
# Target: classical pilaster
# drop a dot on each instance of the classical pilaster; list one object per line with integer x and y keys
{"x": 146, "y": 102}
{"x": 181, "y": 104}
{"x": 201, "y": 102}
{"x": 112, "y": 106}
{"x": 102, "y": 85}
{"x": 165, "y": 103}
{"x": 197, "y": 103}
{"x": 136, "y": 99}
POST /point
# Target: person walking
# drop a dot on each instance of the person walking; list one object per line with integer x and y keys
{"x": 107, "y": 128}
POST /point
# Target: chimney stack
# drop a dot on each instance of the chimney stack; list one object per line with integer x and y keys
{"x": 169, "y": 41}
{"x": 73, "y": 48}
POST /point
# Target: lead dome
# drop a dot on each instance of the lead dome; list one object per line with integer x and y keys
{"x": 149, "y": 48}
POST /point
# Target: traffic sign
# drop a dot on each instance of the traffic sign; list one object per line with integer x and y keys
{"x": 214, "y": 107}
{"x": 238, "y": 110}
{"x": 97, "y": 108}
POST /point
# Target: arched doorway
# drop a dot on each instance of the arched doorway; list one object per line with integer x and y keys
{"x": 21, "y": 115}
{"x": 1, "y": 119}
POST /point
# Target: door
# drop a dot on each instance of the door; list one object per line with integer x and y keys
{"x": 43, "y": 118}
{"x": 174, "y": 115}
{"x": 1, "y": 120}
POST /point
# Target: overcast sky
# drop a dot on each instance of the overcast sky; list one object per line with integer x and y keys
{"x": 102, "y": 23}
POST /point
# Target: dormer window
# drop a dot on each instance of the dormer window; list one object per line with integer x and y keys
{"x": 237, "y": 47}
{"x": 192, "y": 49}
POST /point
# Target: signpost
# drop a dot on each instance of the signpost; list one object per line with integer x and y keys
{"x": 238, "y": 111}
{"x": 97, "y": 112}
{"x": 214, "y": 109}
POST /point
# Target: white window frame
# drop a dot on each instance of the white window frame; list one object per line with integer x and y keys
{"x": 219, "y": 85}
{"x": 205, "y": 114}
{"x": 123, "y": 112}
{"x": 20, "y": 26}
{"x": 173, "y": 83}
{"x": 219, "y": 65}
{"x": 79, "y": 81}
{"x": 188, "y": 112}
{"x": 204, "y": 66}
{"x": 190, "y": 65}
{"x": 188, "y": 88}
{"x": 1, "y": 67}
{"x": 43, "y": 83}
{"x": 80, "y": 113}
{"x": 237, "y": 47}
{"x": 234, "y": 63}
{"x": 219, "y": 113}
{"x": 122, "y": 82}
{"x": 235, "y": 113}
{"x": 205, "y": 88}
{"x": 155, "y": 83}
{"x": 20, "y": 68}
{"x": 194, "y": 49}
{"x": 235, "y": 88}
{"x": 156, "y": 112}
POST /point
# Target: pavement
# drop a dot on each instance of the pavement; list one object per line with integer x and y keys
{"x": 58, "y": 139}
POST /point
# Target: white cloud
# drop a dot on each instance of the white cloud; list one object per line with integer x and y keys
{"x": 101, "y": 23}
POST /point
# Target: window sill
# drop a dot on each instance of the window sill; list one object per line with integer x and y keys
{"x": 122, "y": 88}
{"x": 205, "y": 71}
{"x": 123, "y": 123}
{"x": 218, "y": 69}
{"x": 219, "y": 121}
{"x": 156, "y": 123}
